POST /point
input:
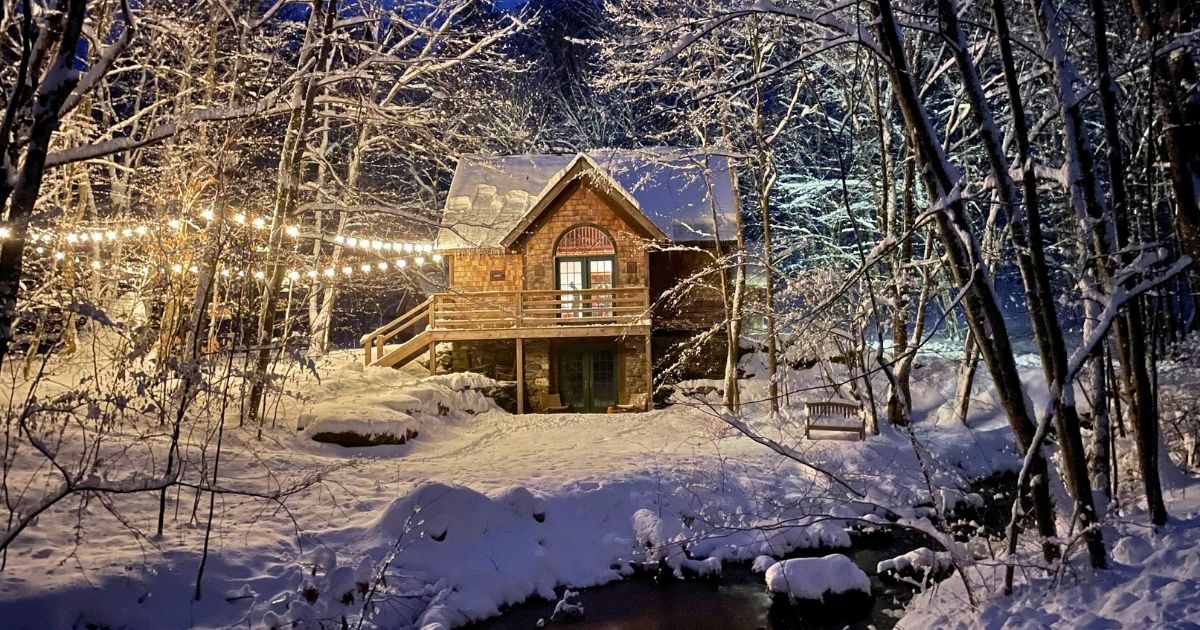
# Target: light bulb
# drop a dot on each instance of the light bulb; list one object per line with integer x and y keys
{"x": 207, "y": 215}
{"x": 111, "y": 235}
{"x": 329, "y": 272}
{"x": 366, "y": 268}
{"x": 72, "y": 238}
{"x": 420, "y": 260}
{"x": 382, "y": 266}
{"x": 437, "y": 258}
{"x": 347, "y": 270}
{"x": 259, "y": 223}
{"x": 293, "y": 231}
{"x": 293, "y": 275}
{"x": 401, "y": 263}
{"x": 239, "y": 218}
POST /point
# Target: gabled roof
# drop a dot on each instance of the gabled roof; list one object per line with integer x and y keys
{"x": 668, "y": 192}
{"x": 582, "y": 164}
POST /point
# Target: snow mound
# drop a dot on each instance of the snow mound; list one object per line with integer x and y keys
{"x": 921, "y": 560}
{"x": 366, "y": 407}
{"x": 814, "y": 578}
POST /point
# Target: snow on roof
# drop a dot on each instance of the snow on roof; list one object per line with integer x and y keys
{"x": 491, "y": 194}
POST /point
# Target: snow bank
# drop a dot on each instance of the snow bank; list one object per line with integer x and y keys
{"x": 814, "y": 578}
{"x": 366, "y": 406}
{"x": 922, "y": 560}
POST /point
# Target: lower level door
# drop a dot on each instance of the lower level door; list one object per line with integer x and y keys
{"x": 587, "y": 377}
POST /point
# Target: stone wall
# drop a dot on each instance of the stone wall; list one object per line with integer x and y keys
{"x": 483, "y": 356}
{"x": 631, "y": 362}
{"x": 537, "y": 370}
{"x": 582, "y": 204}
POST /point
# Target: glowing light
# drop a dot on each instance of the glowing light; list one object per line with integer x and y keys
{"x": 207, "y": 215}
{"x": 97, "y": 236}
{"x": 293, "y": 276}
{"x": 408, "y": 247}
{"x": 141, "y": 230}
{"x": 95, "y": 264}
{"x": 239, "y": 218}
{"x": 382, "y": 266}
{"x": 366, "y": 268}
{"x": 329, "y": 272}
{"x": 352, "y": 242}
{"x": 401, "y": 263}
{"x": 194, "y": 269}
{"x": 339, "y": 239}
{"x": 111, "y": 235}
{"x": 39, "y": 249}
{"x": 177, "y": 268}
{"x": 225, "y": 272}
{"x": 72, "y": 238}
{"x": 258, "y": 275}
{"x": 437, "y": 258}
{"x": 59, "y": 255}
{"x": 174, "y": 224}
{"x": 127, "y": 232}
{"x": 259, "y": 223}
{"x": 312, "y": 273}
{"x": 347, "y": 270}
{"x": 376, "y": 245}
{"x": 293, "y": 231}
{"x": 5, "y": 232}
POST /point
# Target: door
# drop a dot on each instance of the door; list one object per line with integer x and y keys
{"x": 585, "y": 272}
{"x": 587, "y": 377}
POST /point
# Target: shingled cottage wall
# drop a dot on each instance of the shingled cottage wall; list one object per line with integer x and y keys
{"x": 582, "y": 204}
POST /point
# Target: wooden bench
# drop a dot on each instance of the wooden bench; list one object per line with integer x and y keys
{"x": 637, "y": 402}
{"x": 551, "y": 403}
{"x": 842, "y": 417}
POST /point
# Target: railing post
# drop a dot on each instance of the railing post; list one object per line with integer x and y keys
{"x": 367, "y": 352}
{"x": 520, "y": 309}
{"x": 432, "y": 310}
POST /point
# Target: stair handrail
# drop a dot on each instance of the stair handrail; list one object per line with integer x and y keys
{"x": 378, "y": 337}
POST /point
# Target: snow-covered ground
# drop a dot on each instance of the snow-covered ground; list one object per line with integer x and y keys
{"x": 484, "y": 509}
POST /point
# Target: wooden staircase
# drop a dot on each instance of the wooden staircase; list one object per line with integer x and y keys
{"x": 374, "y": 342}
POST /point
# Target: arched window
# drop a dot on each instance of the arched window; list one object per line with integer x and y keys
{"x": 585, "y": 260}
{"x": 584, "y": 240}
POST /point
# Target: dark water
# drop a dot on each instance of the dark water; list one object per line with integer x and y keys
{"x": 738, "y": 599}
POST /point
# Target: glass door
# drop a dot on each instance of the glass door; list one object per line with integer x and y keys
{"x": 587, "y": 378}
{"x": 585, "y": 272}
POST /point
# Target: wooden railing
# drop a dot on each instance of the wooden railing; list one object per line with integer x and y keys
{"x": 488, "y": 310}
{"x": 503, "y": 310}
{"x": 374, "y": 341}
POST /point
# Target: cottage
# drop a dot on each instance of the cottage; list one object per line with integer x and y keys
{"x": 555, "y": 266}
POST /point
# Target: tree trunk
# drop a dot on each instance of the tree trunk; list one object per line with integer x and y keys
{"x": 1031, "y": 262}
{"x": 964, "y": 258}
{"x": 320, "y": 26}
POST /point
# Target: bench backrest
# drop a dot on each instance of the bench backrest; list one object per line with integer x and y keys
{"x": 835, "y": 409}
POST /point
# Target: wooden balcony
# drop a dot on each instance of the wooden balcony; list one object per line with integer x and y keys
{"x": 612, "y": 312}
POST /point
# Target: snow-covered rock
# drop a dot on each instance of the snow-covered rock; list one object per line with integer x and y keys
{"x": 814, "y": 578}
